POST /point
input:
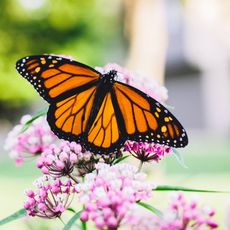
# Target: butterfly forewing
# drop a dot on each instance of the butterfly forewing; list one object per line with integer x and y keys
{"x": 68, "y": 118}
{"x": 105, "y": 135}
{"x": 54, "y": 76}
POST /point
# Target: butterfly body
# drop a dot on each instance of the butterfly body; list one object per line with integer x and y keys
{"x": 97, "y": 110}
{"x": 103, "y": 87}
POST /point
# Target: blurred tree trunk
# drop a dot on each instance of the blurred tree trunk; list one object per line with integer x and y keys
{"x": 207, "y": 46}
{"x": 145, "y": 26}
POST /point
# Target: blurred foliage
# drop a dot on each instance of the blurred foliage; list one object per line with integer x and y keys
{"x": 90, "y": 31}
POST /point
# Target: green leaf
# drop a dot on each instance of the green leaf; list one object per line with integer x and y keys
{"x": 121, "y": 159}
{"x": 179, "y": 188}
{"x": 179, "y": 158}
{"x": 72, "y": 221}
{"x": 151, "y": 208}
{"x": 19, "y": 214}
{"x": 71, "y": 210}
{"x": 28, "y": 123}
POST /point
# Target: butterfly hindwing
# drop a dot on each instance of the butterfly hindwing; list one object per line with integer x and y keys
{"x": 54, "y": 76}
{"x": 105, "y": 134}
{"x": 69, "y": 117}
{"x": 146, "y": 119}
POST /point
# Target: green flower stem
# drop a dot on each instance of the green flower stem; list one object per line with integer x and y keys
{"x": 166, "y": 188}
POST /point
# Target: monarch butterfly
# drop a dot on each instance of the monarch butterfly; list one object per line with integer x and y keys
{"x": 95, "y": 109}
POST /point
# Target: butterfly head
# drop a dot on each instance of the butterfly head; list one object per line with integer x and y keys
{"x": 112, "y": 73}
{"x": 110, "y": 76}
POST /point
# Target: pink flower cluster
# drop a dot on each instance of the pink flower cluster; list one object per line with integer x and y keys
{"x": 69, "y": 159}
{"x": 147, "y": 152}
{"x": 181, "y": 214}
{"x": 108, "y": 193}
{"x": 184, "y": 214}
{"x": 59, "y": 161}
{"x": 149, "y": 86}
{"x": 33, "y": 141}
{"x": 50, "y": 200}
{"x": 138, "y": 218}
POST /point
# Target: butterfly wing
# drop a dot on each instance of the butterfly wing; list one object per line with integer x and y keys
{"x": 124, "y": 112}
{"x": 72, "y": 119}
{"x": 146, "y": 119}
{"x": 68, "y": 118}
{"x": 55, "y": 78}
{"x": 105, "y": 134}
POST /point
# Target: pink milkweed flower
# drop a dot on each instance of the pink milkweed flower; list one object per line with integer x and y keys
{"x": 51, "y": 198}
{"x": 181, "y": 214}
{"x": 146, "y": 152}
{"x": 139, "y": 218}
{"x": 58, "y": 161}
{"x": 109, "y": 192}
{"x": 187, "y": 214}
{"x": 70, "y": 159}
{"x": 32, "y": 142}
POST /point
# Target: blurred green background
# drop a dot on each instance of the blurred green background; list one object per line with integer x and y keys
{"x": 192, "y": 62}
{"x": 77, "y": 28}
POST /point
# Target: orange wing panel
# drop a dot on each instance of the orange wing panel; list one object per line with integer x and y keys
{"x": 146, "y": 119}
{"x": 72, "y": 114}
{"x": 104, "y": 131}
